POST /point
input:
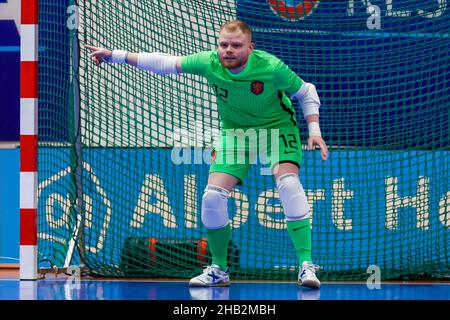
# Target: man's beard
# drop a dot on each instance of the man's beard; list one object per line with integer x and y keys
{"x": 233, "y": 63}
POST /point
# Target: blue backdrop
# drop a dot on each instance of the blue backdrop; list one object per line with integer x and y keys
{"x": 115, "y": 191}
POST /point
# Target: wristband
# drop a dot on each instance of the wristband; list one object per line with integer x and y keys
{"x": 314, "y": 129}
{"x": 117, "y": 56}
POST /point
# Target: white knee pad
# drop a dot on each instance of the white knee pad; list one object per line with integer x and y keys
{"x": 293, "y": 197}
{"x": 215, "y": 207}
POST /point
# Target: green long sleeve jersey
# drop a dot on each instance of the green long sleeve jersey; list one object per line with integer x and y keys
{"x": 253, "y": 98}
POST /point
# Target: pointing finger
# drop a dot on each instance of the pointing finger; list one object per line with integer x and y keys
{"x": 324, "y": 150}
{"x": 324, "y": 155}
{"x": 310, "y": 144}
{"x": 91, "y": 47}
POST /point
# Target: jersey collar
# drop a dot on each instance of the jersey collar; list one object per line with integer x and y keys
{"x": 244, "y": 71}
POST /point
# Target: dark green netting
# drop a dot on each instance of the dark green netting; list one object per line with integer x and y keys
{"x": 114, "y": 197}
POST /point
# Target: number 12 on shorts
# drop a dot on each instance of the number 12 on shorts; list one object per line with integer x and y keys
{"x": 290, "y": 142}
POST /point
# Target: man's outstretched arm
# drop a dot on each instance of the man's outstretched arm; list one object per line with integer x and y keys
{"x": 159, "y": 63}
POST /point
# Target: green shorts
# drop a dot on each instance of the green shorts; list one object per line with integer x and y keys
{"x": 238, "y": 149}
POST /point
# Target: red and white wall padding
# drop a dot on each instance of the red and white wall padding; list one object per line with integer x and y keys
{"x": 28, "y": 139}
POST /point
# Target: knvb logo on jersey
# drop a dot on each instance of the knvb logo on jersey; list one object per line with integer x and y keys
{"x": 257, "y": 87}
{"x": 293, "y": 10}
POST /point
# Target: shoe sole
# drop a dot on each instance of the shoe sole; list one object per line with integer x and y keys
{"x": 310, "y": 284}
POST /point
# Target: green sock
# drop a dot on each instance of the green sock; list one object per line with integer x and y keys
{"x": 300, "y": 233}
{"x": 218, "y": 241}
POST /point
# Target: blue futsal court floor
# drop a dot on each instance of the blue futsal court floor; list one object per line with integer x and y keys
{"x": 65, "y": 289}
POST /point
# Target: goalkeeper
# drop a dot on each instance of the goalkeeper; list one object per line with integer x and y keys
{"x": 251, "y": 87}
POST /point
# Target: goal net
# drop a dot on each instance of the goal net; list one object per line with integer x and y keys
{"x": 124, "y": 154}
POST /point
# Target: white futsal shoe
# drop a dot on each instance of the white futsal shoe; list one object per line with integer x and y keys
{"x": 307, "y": 276}
{"x": 212, "y": 276}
